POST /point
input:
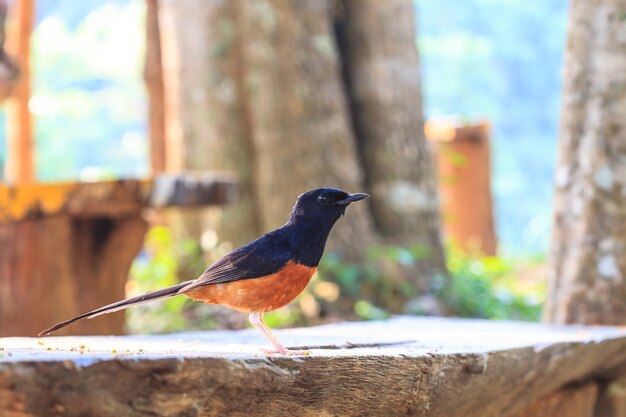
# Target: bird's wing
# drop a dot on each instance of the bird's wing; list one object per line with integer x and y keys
{"x": 264, "y": 256}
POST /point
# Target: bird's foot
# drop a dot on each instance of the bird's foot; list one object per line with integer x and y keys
{"x": 285, "y": 351}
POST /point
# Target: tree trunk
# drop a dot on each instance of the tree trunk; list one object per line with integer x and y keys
{"x": 300, "y": 121}
{"x": 207, "y": 124}
{"x": 258, "y": 88}
{"x": 381, "y": 68}
{"x": 588, "y": 265}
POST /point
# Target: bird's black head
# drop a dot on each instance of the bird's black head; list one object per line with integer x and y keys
{"x": 312, "y": 219}
{"x": 323, "y": 206}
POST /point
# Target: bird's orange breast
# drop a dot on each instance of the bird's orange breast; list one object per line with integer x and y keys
{"x": 258, "y": 294}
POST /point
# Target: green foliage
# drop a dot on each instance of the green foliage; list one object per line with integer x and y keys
{"x": 157, "y": 268}
{"x": 492, "y": 287}
{"x": 481, "y": 287}
{"x": 376, "y": 287}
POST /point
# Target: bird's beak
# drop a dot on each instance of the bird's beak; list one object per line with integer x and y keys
{"x": 352, "y": 198}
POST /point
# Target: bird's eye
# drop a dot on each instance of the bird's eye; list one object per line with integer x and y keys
{"x": 323, "y": 199}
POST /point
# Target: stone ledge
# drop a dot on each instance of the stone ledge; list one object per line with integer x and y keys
{"x": 422, "y": 366}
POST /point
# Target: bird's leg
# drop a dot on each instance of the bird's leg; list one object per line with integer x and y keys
{"x": 256, "y": 319}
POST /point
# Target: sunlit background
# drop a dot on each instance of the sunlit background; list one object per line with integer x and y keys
{"x": 89, "y": 100}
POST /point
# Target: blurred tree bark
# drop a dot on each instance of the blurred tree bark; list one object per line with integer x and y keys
{"x": 263, "y": 88}
{"x": 207, "y": 124}
{"x": 381, "y": 68}
{"x": 300, "y": 122}
{"x": 588, "y": 264}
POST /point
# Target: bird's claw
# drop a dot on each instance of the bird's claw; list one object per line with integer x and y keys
{"x": 287, "y": 352}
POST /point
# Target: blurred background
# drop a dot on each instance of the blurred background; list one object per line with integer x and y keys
{"x": 88, "y": 90}
{"x": 287, "y": 97}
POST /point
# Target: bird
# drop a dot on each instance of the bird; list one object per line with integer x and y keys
{"x": 262, "y": 275}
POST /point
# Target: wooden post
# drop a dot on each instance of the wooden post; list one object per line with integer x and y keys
{"x": 463, "y": 163}
{"x": 171, "y": 76}
{"x": 20, "y": 167}
{"x": 153, "y": 77}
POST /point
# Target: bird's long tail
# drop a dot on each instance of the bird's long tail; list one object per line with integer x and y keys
{"x": 120, "y": 305}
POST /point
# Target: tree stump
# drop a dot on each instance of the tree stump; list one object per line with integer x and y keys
{"x": 67, "y": 247}
{"x": 407, "y": 366}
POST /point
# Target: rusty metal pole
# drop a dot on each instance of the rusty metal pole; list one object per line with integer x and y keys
{"x": 464, "y": 166}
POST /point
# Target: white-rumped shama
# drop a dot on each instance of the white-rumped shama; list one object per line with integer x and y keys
{"x": 263, "y": 275}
